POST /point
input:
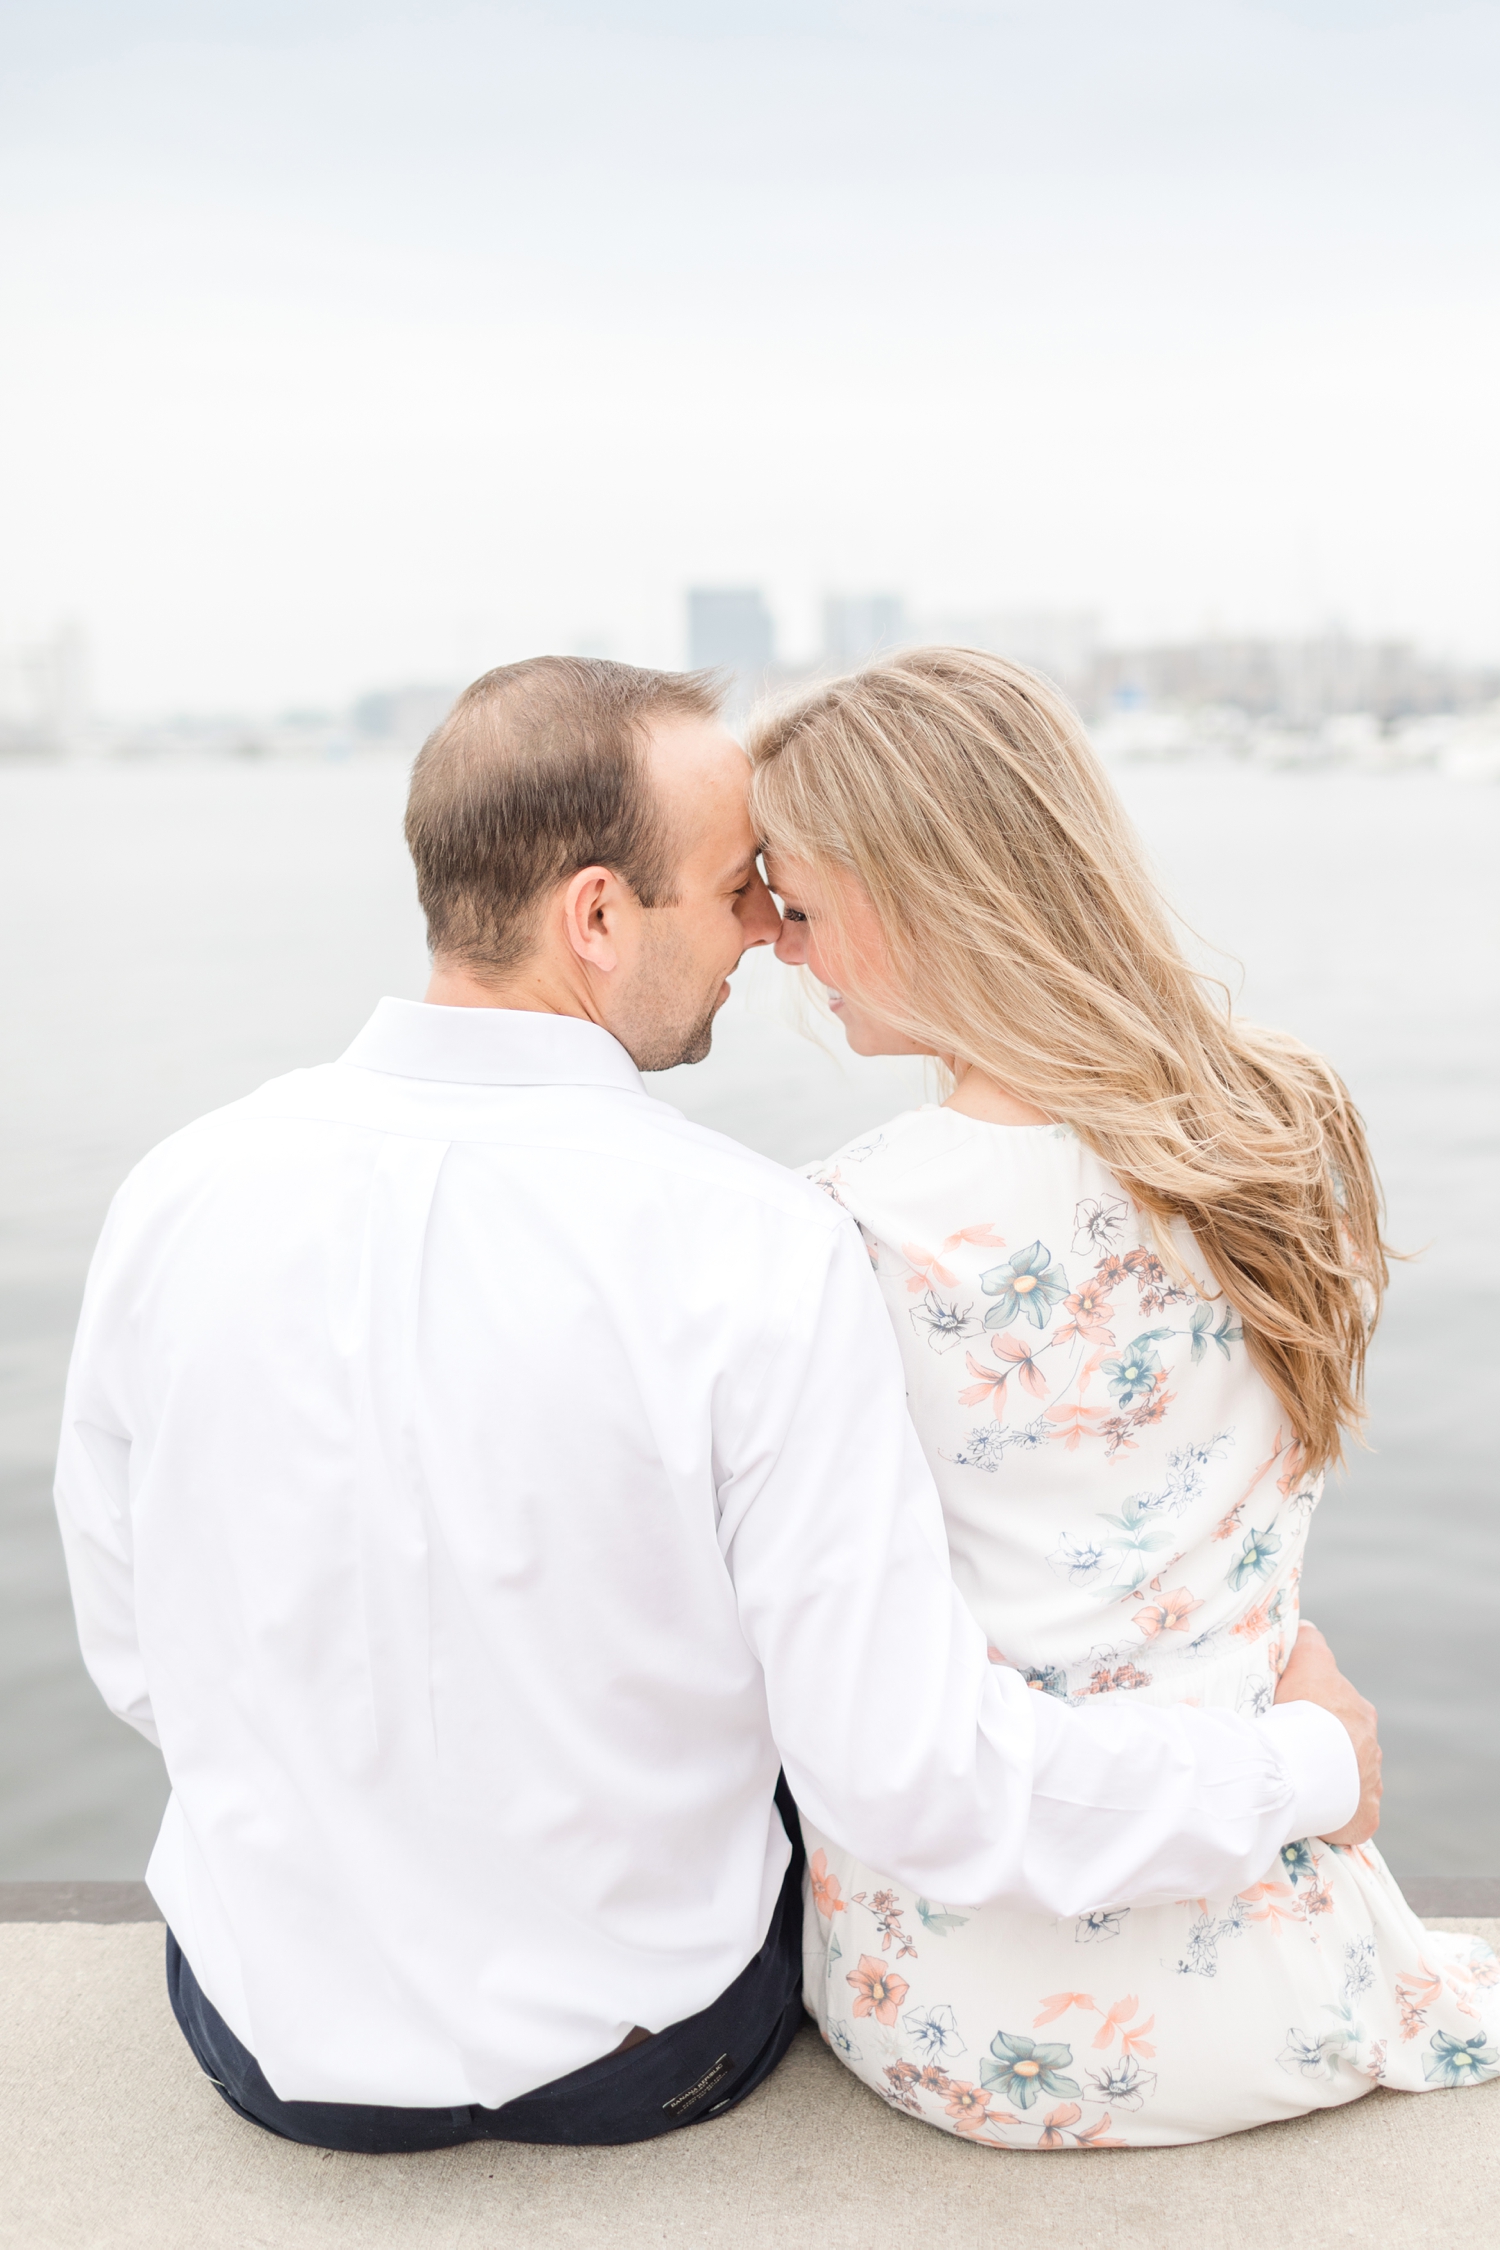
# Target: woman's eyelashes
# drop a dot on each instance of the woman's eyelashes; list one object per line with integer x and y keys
{"x": 792, "y": 913}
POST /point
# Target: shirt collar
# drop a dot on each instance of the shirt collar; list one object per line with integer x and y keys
{"x": 490, "y": 1047}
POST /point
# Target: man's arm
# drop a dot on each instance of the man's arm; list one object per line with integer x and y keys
{"x": 93, "y": 1503}
{"x": 899, "y": 1737}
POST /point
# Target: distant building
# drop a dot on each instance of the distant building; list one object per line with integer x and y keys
{"x": 44, "y": 693}
{"x": 402, "y": 718}
{"x": 1302, "y": 681}
{"x": 1062, "y": 644}
{"x": 729, "y": 628}
{"x": 859, "y": 626}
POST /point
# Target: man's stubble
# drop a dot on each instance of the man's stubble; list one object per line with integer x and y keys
{"x": 666, "y": 1019}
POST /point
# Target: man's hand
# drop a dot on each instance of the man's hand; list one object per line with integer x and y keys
{"x": 1312, "y": 1676}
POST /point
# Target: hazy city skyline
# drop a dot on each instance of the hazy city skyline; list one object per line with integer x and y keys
{"x": 375, "y": 343}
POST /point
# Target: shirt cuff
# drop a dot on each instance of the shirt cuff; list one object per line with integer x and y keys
{"x": 1315, "y": 1753}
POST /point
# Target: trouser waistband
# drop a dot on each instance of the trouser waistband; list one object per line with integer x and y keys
{"x": 691, "y": 2070}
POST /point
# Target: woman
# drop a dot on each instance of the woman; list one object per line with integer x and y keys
{"x": 1133, "y": 1263}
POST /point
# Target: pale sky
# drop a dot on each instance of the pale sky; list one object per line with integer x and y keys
{"x": 352, "y": 344}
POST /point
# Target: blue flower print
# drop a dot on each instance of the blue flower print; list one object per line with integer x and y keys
{"x": 1297, "y": 1859}
{"x": 1100, "y": 1221}
{"x": 1134, "y": 1373}
{"x": 1078, "y": 1560}
{"x": 1460, "y": 2062}
{"x": 1359, "y": 1966}
{"x": 1094, "y": 1928}
{"x": 841, "y": 2043}
{"x": 1124, "y": 2085}
{"x": 938, "y": 1919}
{"x": 1130, "y": 1552}
{"x": 1021, "y": 2069}
{"x": 942, "y": 1325}
{"x": 985, "y": 1447}
{"x": 1202, "y": 1333}
{"x": 1186, "y": 1465}
{"x": 1028, "y": 1283}
{"x": 934, "y": 2032}
{"x": 1308, "y": 2055}
{"x": 1254, "y": 1558}
{"x": 1049, "y": 1678}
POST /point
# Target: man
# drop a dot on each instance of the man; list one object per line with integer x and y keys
{"x": 479, "y": 1480}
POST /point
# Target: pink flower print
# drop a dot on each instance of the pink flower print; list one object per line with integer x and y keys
{"x": 1092, "y": 1313}
{"x": 933, "y": 2079}
{"x": 878, "y": 1991}
{"x": 989, "y": 1388}
{"x": 1022, "y": 1363}
{"x": 1091, "y": 1367}
{"x": 1128, "y": 1676}
{"x": 967, "y": 2106}
{"x": 929, "y": 1269}
{"x": 929, "y": 1263}
{"x": 1254, "y": 1622}
{"x": 1067, "y": 2113}
{"x": 1111, "y": 1273}
{"x": 1278, "y": 1903}
{"x": 1154, "y": 1405}
{"x": 1415, "y": 1993}
{"x": 825, "y": 1887}
{"x": 1133, "y": 2040}
{"x": 1169, "y": 1615}
{"x": 901, "y": 2077}
{"x": 1077, "y": 1421}
{"x": 1230, "y": 1523}
{"x": 1102, "y": 1681}
{"x": 1291, "y": 1475}
{"x": 1059, "y": 2004}
{"x": 1094, "y": 2137}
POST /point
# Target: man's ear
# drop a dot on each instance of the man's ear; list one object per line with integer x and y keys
{"x": 592, "y": 904}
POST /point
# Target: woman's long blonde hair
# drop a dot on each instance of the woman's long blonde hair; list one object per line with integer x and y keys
{"x": 1026, "y": 938}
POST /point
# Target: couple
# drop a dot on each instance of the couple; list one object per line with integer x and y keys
{"x": 510, "y": 1506}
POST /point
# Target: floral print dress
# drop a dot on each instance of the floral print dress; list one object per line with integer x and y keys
{"x": 1126, "y": 1514}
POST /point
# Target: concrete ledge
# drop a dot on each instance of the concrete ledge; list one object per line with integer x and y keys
{"x": 132, "y": 1902}
{"x": 77, "y": 1902}
{"x": 115, "y": 2141}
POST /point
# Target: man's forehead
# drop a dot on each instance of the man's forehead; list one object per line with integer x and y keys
{"x": 685, "y": 753}
{"x": 702, "y": 778}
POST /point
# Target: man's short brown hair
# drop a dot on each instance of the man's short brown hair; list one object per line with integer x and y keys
{"x": 540, "y": 770}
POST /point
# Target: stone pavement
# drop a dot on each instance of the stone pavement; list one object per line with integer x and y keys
{"x": 110, "y": 2138}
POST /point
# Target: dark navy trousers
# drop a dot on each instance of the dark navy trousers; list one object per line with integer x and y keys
{"x": 692, "y": 2070}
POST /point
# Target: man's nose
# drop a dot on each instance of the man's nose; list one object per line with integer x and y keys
{"x": 759, "y": 919}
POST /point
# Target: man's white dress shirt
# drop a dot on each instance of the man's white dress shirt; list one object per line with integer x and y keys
{"x": 478, "y": 1479}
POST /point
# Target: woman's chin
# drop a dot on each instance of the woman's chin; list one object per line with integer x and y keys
{"x": 861, "y": 1041}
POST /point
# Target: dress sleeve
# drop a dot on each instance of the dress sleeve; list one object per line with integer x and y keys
{"x": 900, "y": 1739}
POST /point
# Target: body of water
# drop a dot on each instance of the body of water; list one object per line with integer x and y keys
{"x": 172, "y": 936}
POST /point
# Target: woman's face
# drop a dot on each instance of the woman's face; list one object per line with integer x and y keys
{"x": 810, "y": 939}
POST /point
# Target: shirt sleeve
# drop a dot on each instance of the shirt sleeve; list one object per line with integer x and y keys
{"x": 92, "y": 1493}
{"x": 900, "y": 1739}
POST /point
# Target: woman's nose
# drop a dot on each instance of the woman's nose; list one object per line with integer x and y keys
{"x": 791, "y": 945}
